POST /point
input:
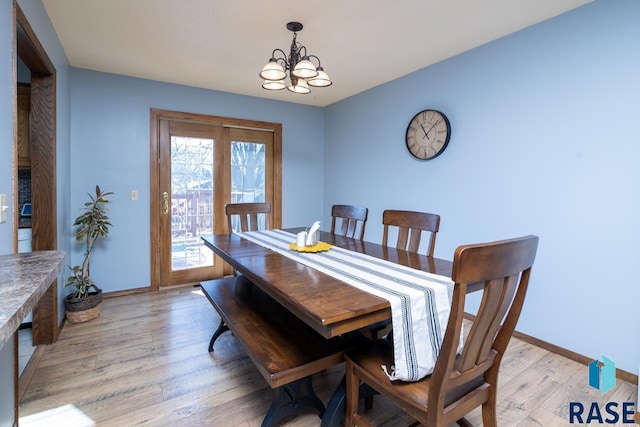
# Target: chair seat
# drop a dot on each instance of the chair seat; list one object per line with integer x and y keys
{"x": 369, "y": 362}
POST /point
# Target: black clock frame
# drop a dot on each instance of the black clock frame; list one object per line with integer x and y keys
{"x": 446, "y": 142}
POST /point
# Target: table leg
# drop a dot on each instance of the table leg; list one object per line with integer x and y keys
{"x": 334, "y": 414}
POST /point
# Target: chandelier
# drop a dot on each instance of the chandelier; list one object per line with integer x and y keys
{"x": 302, "y": 71}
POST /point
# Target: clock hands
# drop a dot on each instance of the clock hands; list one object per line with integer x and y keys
{"x": 432, "y": 126}
{"x": 426, "y": 132}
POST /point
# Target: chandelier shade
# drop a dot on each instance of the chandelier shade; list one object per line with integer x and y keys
{"x": 305, "y": 69}
{"x": 274, "y": 84}
{"x": 321, "y": 80}
{"x": 273, "y": 71}
{"x": 298, "y": 66}
{"x": 300, "y": 86}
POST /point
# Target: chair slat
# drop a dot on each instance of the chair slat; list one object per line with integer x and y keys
{"x": 410, "y": 226}
{"x": 345, "y": 220}
{"x": 248, "y": 215}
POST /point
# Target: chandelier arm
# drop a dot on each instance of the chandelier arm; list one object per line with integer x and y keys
{"x": 283, "y": 63}
{"x": 284, "y": 55}
{"x": 317, "y": 59}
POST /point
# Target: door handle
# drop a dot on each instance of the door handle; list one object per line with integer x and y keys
{"x": 165, "y": 203}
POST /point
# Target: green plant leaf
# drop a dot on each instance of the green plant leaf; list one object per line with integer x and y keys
{"x": 90, "y": 225}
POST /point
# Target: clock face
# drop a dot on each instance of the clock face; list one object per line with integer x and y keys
{"x": 428, "y": 134}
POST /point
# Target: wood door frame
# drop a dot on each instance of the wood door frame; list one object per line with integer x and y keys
{"x": 227, "y": 122}
{"x": 42, "y": 129}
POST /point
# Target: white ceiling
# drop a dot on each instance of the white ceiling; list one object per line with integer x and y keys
{"x": 223, "y": 45}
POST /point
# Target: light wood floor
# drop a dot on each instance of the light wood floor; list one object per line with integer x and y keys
{"x": 145, "y": 362}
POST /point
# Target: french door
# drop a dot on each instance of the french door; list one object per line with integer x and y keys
{"x": 203, "y": 163}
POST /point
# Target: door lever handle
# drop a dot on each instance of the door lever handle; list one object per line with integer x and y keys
{"x": 165, "y": 203}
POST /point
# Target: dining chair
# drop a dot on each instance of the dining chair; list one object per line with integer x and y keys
{"x": 466, "y": 378}
{"x": 349, "y": 218}
{"x": 410, "y": 226}
{"x": 247, "y": 216}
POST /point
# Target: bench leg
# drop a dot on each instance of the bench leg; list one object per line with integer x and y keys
{"x": 290, "y": 399}
{"x": 222, "y": 328}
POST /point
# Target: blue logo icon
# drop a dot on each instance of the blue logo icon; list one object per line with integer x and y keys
{"x": 602, "y": 375}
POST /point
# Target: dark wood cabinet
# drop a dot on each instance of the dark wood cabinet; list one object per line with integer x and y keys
{"x": 23, "y": 102}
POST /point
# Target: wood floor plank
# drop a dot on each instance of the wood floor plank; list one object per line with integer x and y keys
{"x": 540, "y": 417}
{"x": 519, "y": 357}
{"x": 144, "y": 362}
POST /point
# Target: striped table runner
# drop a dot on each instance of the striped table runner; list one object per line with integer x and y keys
{"x": 420, "y": 301}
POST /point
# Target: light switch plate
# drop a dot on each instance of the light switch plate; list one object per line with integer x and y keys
{"x": 3, "y": 208}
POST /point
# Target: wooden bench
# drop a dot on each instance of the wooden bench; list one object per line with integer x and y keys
{"x": 285, "y": 350}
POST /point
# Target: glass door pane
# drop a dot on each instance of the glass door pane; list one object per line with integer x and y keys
{"x": 247, "y": 172}
{"x": 247, "y": 176}
{"x": 192, "y": 197}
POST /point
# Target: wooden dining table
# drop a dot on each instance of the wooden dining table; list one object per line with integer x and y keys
{"x": 331, "y": 307}
{"x": 328, "y": 305}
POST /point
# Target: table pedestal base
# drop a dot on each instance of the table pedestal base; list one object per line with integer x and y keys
{"x": 290, "y": 399}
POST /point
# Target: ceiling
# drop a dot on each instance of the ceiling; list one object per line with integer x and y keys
{"x": 223, "y": 45}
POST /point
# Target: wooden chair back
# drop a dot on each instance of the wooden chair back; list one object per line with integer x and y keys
{"x": 410, "y": 227}
{"x": 504, "y": 267}
{"x": 248, "y": 215}
{"x": 349, "y": 219}
{"x": 463, "y": 380}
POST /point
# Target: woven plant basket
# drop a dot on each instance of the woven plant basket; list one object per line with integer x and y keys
{"x": 89, "y": 308}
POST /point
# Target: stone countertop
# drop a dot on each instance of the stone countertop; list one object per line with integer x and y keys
{"x": 24, "y": 279}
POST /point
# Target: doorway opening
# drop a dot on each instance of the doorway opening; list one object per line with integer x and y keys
{"x": 40, "y": 164}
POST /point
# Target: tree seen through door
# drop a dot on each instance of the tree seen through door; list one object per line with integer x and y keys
{"x": 248, "y": 182}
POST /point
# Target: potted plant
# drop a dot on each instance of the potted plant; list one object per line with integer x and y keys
{"x": 84, "y": 302}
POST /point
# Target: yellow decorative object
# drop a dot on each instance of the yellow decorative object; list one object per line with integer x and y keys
{"x": 318, "y": 247}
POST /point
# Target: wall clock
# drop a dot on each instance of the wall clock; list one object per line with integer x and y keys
{"x": 428, "y": 134}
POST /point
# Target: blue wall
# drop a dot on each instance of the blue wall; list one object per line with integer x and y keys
{"x": 6, "y": 121}
{"x": 110, "y": 147}
{"x": 6, "y": 187}
{"x": 545, "y": 140}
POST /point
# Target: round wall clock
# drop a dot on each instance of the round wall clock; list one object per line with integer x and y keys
{"x": 428, "y": 134}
